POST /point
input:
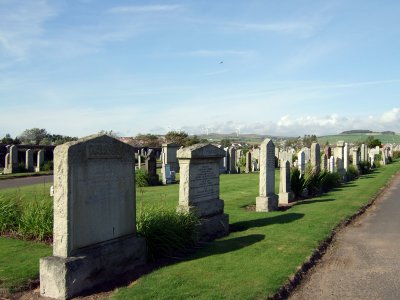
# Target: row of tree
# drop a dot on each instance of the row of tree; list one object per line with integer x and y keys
{"x": 37, "y": 136}
{"x": 180, "y": 138}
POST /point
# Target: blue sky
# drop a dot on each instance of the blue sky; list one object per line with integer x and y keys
{"x": 271, "y": 67}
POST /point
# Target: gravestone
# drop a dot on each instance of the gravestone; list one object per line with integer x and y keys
{"x": 199, "y": 189}
{"x": 11, "y": 161}
{"x": 139, "y": 161}
{"x": 267, "y": 199}
{"x": 302, "y": 162}
{"x": 331, "y": 168}
{"x": 328, "y": 151}
{"x": 150, "y": 167}
{"x": 166, "y": 174}
{"x": 364, "y": 152}
{"x": 285, "y": 190}
{"x": 356, "y": 156}
{"x": 232, "y": 161}
{"x": 325, "y": 163}
{"x": 339, "y": 155}
{"x": 29, "y": 160}
{"x": 40, "y": 161}
{"x": 94, "y": 217}
{"x": 169, "y": 156}
{"x": 346, "y": 157}
{"x": 248, "y": 162}
{"x": 315, "y": 157}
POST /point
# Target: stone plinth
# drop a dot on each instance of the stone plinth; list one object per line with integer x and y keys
{"x": 199, "y": 189}
{"x": 94, "y": 217}
{"x": 285, "y": 191}
{"x": 267, "y": 199}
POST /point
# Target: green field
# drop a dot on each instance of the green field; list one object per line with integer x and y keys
{"x": 356, "y": 138}
{"x": 261, "y": 253}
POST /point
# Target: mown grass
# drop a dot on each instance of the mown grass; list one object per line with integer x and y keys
{"x": 259, "y": 255}
{"x": 355, "y": 138}
{"x": 21, "y": 175}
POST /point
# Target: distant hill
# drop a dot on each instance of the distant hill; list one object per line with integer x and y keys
{"x": 360, "y": 131}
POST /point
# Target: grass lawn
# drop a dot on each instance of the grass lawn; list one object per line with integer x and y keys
{"x": 259, "y": 255}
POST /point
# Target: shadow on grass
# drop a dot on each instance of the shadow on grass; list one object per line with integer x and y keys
{"x": 207, "y": 249}
{"x": 281, "y": 219}
{"x": 314, "y": 201}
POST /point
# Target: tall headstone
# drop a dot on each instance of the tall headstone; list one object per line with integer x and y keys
{"x": 151, "y": 167}
{"x": 324, "y": 163}
{"x": 169, "y": 156}
{"x": 248, "y": 162}
{"x": 364, "y": 153}
{"x": 232, "y": 161}
{"x": 356, "y": 156}
{"x": 11, "y": 164}
{"x": 267, "y": 199}
{"x": 302, "y": 162}
{"x": 94, "y": 217}
{"x": 40, "y": 161}
{"x": 331, "y": 167}
{"x": 346, "y": 156}
{"x": 328, "y": 151}
{"x": 139, "y": 161}
{"x": 29, "y": 160}
{"x": 199, "y": 189}
{"x": 339, "y": 155}
{"x": 315, "y": 157}
{"x": 285, "y": 190}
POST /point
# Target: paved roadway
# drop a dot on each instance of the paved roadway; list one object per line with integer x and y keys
{"x": 364, "y": 260}
{"x": 17, "y": 182}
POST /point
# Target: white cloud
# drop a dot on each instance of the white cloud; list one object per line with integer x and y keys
{"x": 145, "y": 8}
{"x": 392, "y": 116}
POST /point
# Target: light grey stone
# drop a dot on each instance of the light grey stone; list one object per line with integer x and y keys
{"x": 29, "y": 160}
{"x": 166, "y": 174}
{"x": 346, "y": 156}
{"x": 302, "y": 162}
{"x": 40, "y": 161}
{"x": 11, "y": 163}
{"x": 169, "y": 156}
{"x": 267, "y": 199}
{"x": 232, "y": 161}
{"x": 315, "y": 157}
{"x": 94, "y": 217}
{"x": 285, "y": 190}
{"x": 248, "y": 162}
{"x": 199, "y": 188}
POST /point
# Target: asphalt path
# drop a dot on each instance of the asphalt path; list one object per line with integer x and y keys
{"x": 17, "y": 182}
{"x": 364, "y": 260}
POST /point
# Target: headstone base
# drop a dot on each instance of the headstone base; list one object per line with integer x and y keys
{"x": 213, "y": 227}
{"x": 268, "y": 203}
{"x": 286, "y": 198}
{"x": 7, "y": 171}
{"x": 204, "y": 209}
{"x": 67, "y": 277}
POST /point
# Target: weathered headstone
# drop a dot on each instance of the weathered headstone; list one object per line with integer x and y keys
{"x": 139, "y": 161}
{"x": 285, "y": 190}
{"x": 328, "y": 151}
{"x": 40, "y": 161}
{"x": 325, "y": 163}
{"x": 94, "y": 217}
{"x": 315, "y": 157}
{"x": 11, "y": 163}
{"x": 356, "y": 156}
{"x": 331, "y": 167}
{"x": 151, "y": 167}
{"x": 346, "y": 156}
{"x": 232, "y": 161}
{"x": 29, "y": 160}
{"x": 169, "y": 156}
{"x": 267, "y": 199}
{"x": 248, "y": 162}
{"x": 199, "y": 189}
{"x": 302, "y": 162}
{"x": 166, "y": 174}
{"x": 339, "y": 156}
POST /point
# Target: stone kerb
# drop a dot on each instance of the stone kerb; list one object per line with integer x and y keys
{"x": 94, "y": 217}
{"x": 199, "y": 189}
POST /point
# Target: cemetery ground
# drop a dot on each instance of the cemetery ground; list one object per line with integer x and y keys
{"x": 261, "y": 253}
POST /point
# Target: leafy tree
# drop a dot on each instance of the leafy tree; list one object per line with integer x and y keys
{"x": 194, "y": 140}
{"x": 7, "y": 139}
{"x": 372, "y": 142}
{"x": 176, "y": 137}
{"x": 33, "y": 135}
{"x": 226, "y": 143}
{"x": 148, "y": 140}
{"x": 308, "y": 140}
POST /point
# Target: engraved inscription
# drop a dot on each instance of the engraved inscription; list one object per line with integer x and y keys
{"x": 101, "y": 151}
{"x": 205, "y": 182}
